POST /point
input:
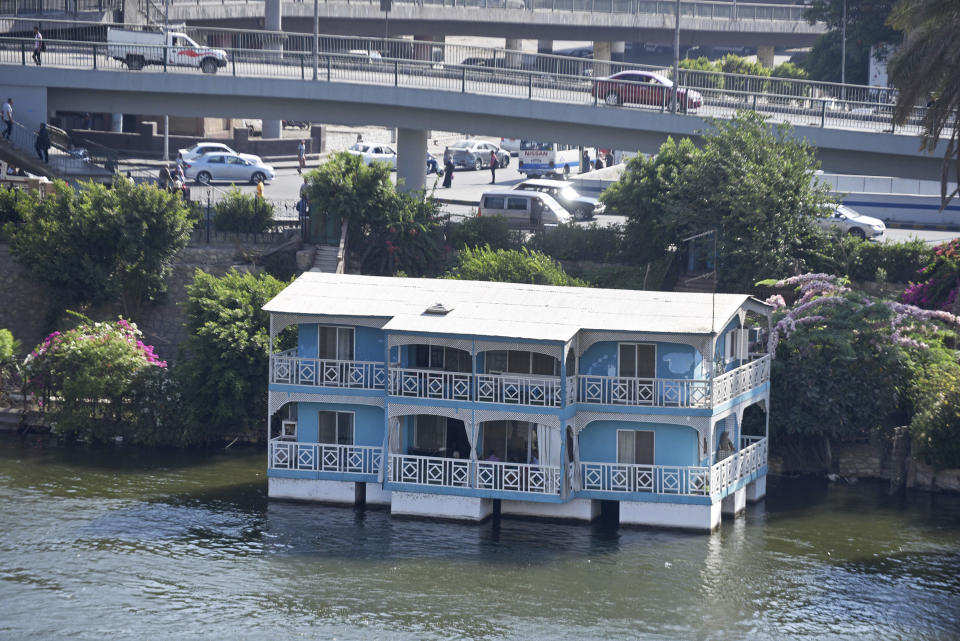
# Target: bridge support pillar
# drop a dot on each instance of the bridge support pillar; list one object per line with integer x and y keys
{"x": 602, "y": 52}
{"x": 544, "y": 46}
{"x": 411, "y": 159}
{"x": 423, "y": 48}
{"x": 272, "y": 21}
{"x": 513, "y": 60}
{"x": 617, "y": 50}
{"x": 116, "y": 123}
{"x": 765, "y": 55}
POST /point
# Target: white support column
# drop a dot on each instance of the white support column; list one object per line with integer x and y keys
{"x": 272, "y": 21}
{"x": 602, "y": 52}
{"x": 765, "y": 55}
{"x": 514, "y": 57}
{"x": 735, "y": 503}
{"x": 411, "y": 159}
{"x": 116, "y": 123}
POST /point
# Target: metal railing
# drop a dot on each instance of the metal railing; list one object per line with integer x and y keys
{"x": 293, "y": 370}
{"x": 325, "y": 457}
{"x": 653, "y": 479}
{"x": 62, "y": 161}
{"x": 421, "y": 383}
{"x": 656, "y": 392}
{"x": 667, "y": 8}
{"x": 742, "y": 379}
{"x": 28, "y": 7}
{"x": 519, "y": 389}
{"x": 429, "y": 470}
{"x": 743, "y": 465}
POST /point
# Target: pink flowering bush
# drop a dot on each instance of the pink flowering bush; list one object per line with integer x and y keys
{"x": 939, "y": 281}
{"x": 846, "y": 363}
{"x": 83, "y": 377}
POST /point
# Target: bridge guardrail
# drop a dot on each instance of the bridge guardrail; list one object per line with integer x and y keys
{"x": 506, "y": 73}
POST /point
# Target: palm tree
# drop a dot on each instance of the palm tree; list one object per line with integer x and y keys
{"x": 926, "y": 70}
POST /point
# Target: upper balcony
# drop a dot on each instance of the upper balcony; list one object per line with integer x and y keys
{"x": 519, "y": 389}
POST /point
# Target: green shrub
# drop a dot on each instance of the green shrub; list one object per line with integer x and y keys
{"x": 8, "y": 206}
{"x": 788, "y": 70}
{"x": 9, "y": 350}
{"x": 710, "y": 80}
{"x": 240, "y": 212}
{"x": 939, "y": 281}
{"x": 570, "y": 241}
{"x": 481, "y": 231}
{"x": 510, "y": 266}
{"x": 619, "y": 276}
{"x": 732, "y": 64}
{"x": 936, "y": 424}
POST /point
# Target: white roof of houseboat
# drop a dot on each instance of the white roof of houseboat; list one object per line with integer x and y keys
{"x": 534, "y": 312}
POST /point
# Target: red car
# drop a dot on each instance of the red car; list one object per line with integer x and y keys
{"x": 643, "y": 88}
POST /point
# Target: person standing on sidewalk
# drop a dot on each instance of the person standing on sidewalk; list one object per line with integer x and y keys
{"x": 260, "y": 189}
{"x": 38, "y": 45}
{"x": 8, "y": 117}
{"x": 43, "y": 143}
{"x": 302, "y": 156}
{"x": 493, "y": 166}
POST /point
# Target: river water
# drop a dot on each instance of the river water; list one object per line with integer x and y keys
{"x": 125, "y": 544}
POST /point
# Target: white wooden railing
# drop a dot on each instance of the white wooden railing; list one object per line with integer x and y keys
{"x": 714, "y": 481}
{"x": 655, "y": 479}
{"x": 742, "y": 379}
{"x": 429, "y": 470}
{"x": 325, "y": 457}
{"x": 518, "y": 477}
{"x": 424, "y": 383}
{"x": 658, "y": 392}
{"x": 517, "y": 389}
{"x": 290, "y": 369}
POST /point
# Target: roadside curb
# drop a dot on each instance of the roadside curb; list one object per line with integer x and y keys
{"x": 456, "y": 201}
{"x": 920, "y": 226}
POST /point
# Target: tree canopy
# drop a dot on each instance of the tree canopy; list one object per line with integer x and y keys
{"x": 751, "y": 184}
{"x": 866, "y": 27}
{"x": 510, "y": 266}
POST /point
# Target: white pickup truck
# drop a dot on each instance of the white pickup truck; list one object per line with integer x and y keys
{"x": 139, "y": 48}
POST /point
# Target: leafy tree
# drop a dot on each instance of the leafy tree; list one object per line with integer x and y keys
{"x": 750, "y": 183}
{"x": 242, "y": 212}
{"x": 222, "y": 368}
{"x": 935, "y": 426}
{"x": 866, "y": 27}
{"x": 409, "y": 239}
{"x": 9, "y": 350}
{"x": 99, "y": 244}
{"x": 83, "y": 377}
{"x": 510, "y": 266}
{"x": 925, "y": 71}
{"x": 8, "y": 206}
{"x": 939, "y": 283}
{"x": 477, "y": 231}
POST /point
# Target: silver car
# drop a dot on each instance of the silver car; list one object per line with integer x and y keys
{"x": 849, "y": 221}
{"x": 227, "y": 167}
{"x": 475, "y": 154}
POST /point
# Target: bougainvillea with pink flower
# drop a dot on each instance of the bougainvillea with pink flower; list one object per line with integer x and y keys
{"x": 939, "y": 282}
{"x": 83, "y": 376}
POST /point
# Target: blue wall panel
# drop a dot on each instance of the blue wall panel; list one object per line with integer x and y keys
{"x": 673, "y": 444}
{"x": 367, "y": 422}
{"x": 673, "y": 360}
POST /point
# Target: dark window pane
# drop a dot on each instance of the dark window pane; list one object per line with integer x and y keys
{"x": 628, "y": 360}
{"x": 647, "y": 361}
{"x": 519, "y": 362}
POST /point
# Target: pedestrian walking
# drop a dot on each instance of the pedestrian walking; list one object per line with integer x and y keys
{"x": 302, "y": 206}
{"x": 43, "y": 143}
{"x": 585, "y": 162}
{"x": 302, "y": 156}
{"x": 493, "y": 166}
{"x": 447, "y": 170}
{"x": 163, "y": 181}
{"x": 260, "y": 188}
{"x": 38, "y": 45}
{"x": 8, "y": 117}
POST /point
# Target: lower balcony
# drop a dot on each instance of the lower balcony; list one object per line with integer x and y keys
{"x": 345, "y": 460}
{"x": 717, "y": 481}
{"x": 486, "y": 478}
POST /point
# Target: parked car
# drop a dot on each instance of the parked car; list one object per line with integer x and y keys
{"x": 202, "y": 148}
{"x": 845, "y": 220}
{"x": 475, "y": 154}
{"x": 373, "y": 152}
{"x": 510, "y": 144}
{"x": 643, "y": 88}
{"x": 523, "y": 208}
{"x": 231, "y": 167}
{"x": 580, "y": 207}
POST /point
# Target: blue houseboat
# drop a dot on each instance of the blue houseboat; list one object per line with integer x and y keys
{"x": 446, "y": 398}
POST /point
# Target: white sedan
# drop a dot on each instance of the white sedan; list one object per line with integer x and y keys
{"x": 227, "y": 167}
{"x": 373, "y": 152}
{"x": 849, "y": 221}
{"x": 202, "y": 148}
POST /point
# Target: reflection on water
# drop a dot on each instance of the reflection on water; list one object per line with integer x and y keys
{"x": 144, "y": 545}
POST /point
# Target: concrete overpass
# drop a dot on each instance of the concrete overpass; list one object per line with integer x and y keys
{"x": 450, "y": 104}
{"x": 703, "y": 23}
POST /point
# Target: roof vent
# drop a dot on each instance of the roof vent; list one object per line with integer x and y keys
{"x": 438, "y": 309}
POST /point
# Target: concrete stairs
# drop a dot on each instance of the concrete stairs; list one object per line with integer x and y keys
{"x": 325, "y": 259}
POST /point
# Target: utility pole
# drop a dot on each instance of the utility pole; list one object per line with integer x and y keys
{"x": 316, "y": 38}
{"x": 843, "y": 53}
{"x": 676, "y": 59}
{"x": 166, "y": 54}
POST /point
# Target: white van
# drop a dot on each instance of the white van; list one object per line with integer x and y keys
{"x": 523, "y": 209}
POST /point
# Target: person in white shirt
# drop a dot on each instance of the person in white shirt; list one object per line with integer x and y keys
{"x": 8, "y": 117}
{"x": 37, "y": 45}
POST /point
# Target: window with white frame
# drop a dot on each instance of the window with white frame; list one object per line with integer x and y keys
{"x": 288, "y": 425}
{"x": 430, "y": 433}
{"x": 635, "y": 447}
{"x": 637, "y": 360}
{"x": 510, "y": 441}
{"x": 520, "y": 362}
{"x": 335, "y": 428}
{"x": 335, "y": 343}
{"x": 736, "y": 342}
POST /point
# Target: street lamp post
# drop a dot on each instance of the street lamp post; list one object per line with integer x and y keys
{"x": 676, "y": 59}
{"x": 843, "y": 53}
{"x": 316, "y": 38}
